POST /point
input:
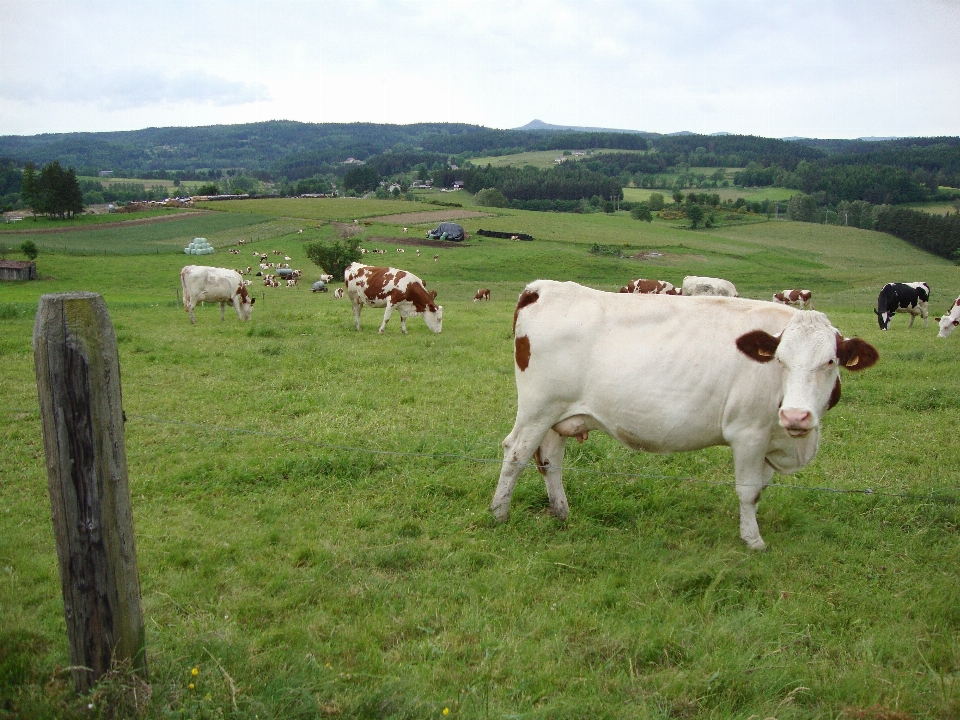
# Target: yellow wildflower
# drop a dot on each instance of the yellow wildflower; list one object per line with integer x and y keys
{"x": 195, "y": 672}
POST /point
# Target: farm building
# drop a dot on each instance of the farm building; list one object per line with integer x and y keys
{"x": 18, "y": 270}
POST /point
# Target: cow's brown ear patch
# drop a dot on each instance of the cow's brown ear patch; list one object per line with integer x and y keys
{"x": 521, "y": 353}
{"x": 856, "y": 354}
{"x": 758, "y": 345}
{"x": 835, "y": 395}
{"x": 527, "y": 297}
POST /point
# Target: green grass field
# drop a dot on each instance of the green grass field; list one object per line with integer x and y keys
{"x": 541, "y": 159}
{"x": 310, "y": 502}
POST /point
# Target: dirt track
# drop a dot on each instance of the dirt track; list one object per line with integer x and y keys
{"x": 421, "y": 242}
{"x": 414, "y": 218}
{"x": 106, "y": 225}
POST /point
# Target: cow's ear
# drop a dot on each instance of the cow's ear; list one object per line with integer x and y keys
{"x": 758, "y": 345}
{"x": 856, "y": 354}
{"x": 252, "y": 300}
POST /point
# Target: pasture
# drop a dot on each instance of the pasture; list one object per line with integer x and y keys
{"x": 310, "y": 502}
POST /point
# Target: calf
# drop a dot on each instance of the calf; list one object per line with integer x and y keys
{"x": 639, "y": 370}
{"x": 338, "y": 293}
{"x": 391, "y": 288}
{"x": 949, "y": 321}
{"x": 695, "y": 285}
{"x": 911, "y": 297}
{"x": 640, "y": 286}
{"x": 210, "y": 284}
{"x": 482, "y": 294}
{"x": 800, "y": 298}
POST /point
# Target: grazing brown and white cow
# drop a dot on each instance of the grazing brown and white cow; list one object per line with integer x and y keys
{"x": 641, "y": 371}
{"x": 641, "y": 286}
{"x": 949, "y": 321}
{"x": 391, "y": 288}
{"x": 211, "y": 284}
{"x": 695, "y": 285}
{"x": 482, "y": 294}
{"x": 338, "y": 293}
{"x": 800, "y": 298}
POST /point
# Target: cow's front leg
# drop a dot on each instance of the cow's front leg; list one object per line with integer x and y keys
{"x": 549, "y": 457}
{"x": 518, "y": 448}
{"x": 913, "y": 317}
{"x": 387, "y": 312}
{"x": 753, "y": 474}
{"x": 222, "y": 306}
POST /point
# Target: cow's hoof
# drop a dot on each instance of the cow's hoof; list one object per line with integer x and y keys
{"x": 500, "y": 513}
{"x": 756, "y": 543}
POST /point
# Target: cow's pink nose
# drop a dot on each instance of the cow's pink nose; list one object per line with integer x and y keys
{"x": 794, "y": 419}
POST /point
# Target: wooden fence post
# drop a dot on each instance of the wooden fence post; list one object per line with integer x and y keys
{"x": 78, "y": 382}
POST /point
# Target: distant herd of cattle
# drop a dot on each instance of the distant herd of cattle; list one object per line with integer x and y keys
{"x": 656, "y": 375}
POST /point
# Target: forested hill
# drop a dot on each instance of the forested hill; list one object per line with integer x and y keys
{"x": 894, "y": 171}
{"x": 281, "y": 148}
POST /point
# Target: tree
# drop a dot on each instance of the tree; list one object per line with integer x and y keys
{"x": 656, "y": 201}
{"x": 678, "y": 197}
{"x": 30, "y": 193}
{"x": 29, "y": 248}
{"x": 491, "y": 197}
{"x": 695, "y": 214}
{"x": 641, "y": 211}
{"x": 334, "y": 257}
{"x": 361, "y": 179}
{"x": 55, "y": 191}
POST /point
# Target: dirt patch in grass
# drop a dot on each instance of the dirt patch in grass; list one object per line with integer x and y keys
{"x": 414, "y": 218}
{"x": 422, "y": 242}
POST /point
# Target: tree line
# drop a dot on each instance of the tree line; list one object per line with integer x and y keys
{"x": 52, "y": 191}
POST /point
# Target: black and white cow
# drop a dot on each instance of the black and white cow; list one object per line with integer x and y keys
{"x": 911, "y": 297}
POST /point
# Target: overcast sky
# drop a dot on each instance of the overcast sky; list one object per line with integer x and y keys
{"x": 774, "y": 68}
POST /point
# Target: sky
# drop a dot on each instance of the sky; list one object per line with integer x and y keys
{"x": 774, "y": 68}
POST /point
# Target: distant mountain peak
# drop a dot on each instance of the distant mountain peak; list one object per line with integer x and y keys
{"x": 535, "y": 125}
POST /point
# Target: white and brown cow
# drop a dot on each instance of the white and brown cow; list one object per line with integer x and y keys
{"x": 338, "y": 293}
{"x": 482, "y": 294}
{"x": 949, "y": 321}
{"x": 695, "y": 285}
{"x": 800, "y": 298}
{"x": 211, "y": 284}
{"x": 391, "y": 288}
{"x": 641, "y": 371}
{"x": 641, "y": 286}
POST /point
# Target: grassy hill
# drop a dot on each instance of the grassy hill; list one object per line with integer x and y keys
{"x": 310, "y": 502}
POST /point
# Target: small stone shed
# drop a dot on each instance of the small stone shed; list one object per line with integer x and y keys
{"x": 18, "y": 270}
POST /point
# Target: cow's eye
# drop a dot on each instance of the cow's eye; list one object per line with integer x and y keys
{"x": 831, "y": 362}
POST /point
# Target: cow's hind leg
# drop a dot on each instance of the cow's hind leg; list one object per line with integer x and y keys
{"x": 549, "y": 457}
{"x": 387, "y": 312}
{"x": 222, "y": 306}
{"x": 357, "y": 307}
{"x": 518, "y": 448}
{"x": 753, "y": 475}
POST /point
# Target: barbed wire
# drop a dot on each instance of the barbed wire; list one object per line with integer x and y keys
{"x": 940, "y": 497}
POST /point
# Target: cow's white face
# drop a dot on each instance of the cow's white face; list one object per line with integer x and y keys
{"x": 810, "y": 351}
{"x": 947, "y": 325}
{"x": 434, "y": 319}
